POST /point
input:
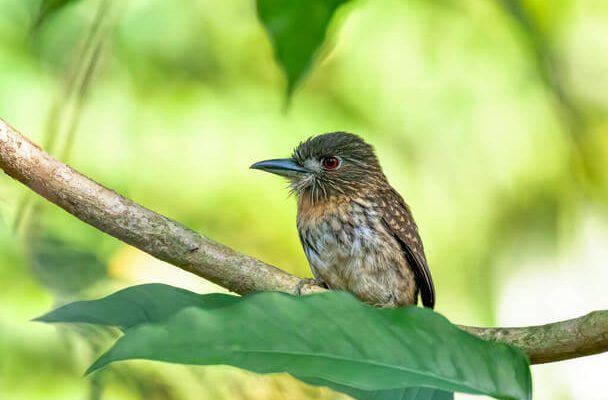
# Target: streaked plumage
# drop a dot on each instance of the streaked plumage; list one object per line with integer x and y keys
{"x": 357, "y": 231}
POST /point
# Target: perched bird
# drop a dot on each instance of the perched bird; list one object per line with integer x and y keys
{"x": 357, "y": 232}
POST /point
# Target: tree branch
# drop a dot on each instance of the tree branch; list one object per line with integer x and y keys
{"x": 174, "y": 243}
{"x": 557, "y": 341}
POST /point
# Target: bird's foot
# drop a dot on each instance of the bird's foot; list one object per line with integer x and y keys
{"x": 308, "y": 285}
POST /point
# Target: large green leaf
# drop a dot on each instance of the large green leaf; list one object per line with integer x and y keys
{"x": 153, "y": 303}
{"x": 331, "y": 336}
{"x": 137, "y": 305}
{"x": 297, "y": 29}
{"x": 409, "y": 393}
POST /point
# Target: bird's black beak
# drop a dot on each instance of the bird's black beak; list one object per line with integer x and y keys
{"x": 282, "y": 166}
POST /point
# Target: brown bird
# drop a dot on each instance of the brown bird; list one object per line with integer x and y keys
{"x": 357, "y": 232}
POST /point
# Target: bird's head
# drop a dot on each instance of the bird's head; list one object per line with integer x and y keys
{"x": 331, "y": 164}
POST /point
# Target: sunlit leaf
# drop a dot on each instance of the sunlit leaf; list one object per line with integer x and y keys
{"x": 330, "y": 336}
{"x": 297, "y": 29}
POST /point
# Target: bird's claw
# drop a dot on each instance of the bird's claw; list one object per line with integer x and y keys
{"x": 306, "y": 283}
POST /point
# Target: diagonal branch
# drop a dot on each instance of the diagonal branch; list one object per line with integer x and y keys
{"x": 174, "y": 243}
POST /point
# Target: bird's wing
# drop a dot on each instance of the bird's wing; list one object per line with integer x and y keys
{"x": 399, "y": 221}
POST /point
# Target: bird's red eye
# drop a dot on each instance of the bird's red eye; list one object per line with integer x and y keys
{"x": 330, "y": 163}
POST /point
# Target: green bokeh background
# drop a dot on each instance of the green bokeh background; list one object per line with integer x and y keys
{"x": 490, "y": 117}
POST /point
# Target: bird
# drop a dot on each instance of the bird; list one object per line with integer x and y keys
{"x": 357, "y": 232}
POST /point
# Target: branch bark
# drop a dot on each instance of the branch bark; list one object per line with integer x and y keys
{"x": 174, "y": 243}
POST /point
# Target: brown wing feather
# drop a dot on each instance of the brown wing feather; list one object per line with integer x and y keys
{"x": 400, "y": 222}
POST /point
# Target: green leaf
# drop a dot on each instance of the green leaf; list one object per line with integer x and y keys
{"x": 156, "y": 302}
{"x": 297, "y": 29}
{"x": 410, "y": 393}
{"x": 330, "y": 336}
{"x": 150, "y": 303}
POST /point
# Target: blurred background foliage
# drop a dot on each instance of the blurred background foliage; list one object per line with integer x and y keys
{"x": 490, "y": 117}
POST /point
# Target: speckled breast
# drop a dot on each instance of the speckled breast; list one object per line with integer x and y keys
{"x": 349, "y": 248}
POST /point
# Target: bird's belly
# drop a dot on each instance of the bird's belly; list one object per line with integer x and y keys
{"x": 372, "y": 268}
